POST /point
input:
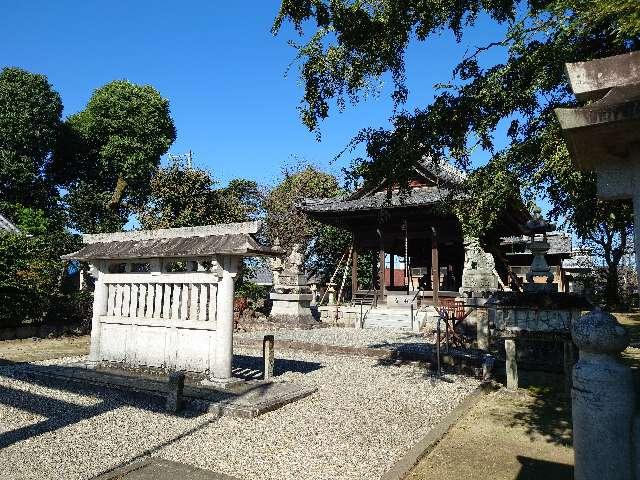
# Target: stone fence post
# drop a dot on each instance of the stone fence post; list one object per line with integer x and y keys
{"x": 603, "y": 400}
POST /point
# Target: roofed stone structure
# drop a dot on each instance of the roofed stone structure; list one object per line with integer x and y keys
{"x": 164, "y": 298}
{"x": 6, "y": 226}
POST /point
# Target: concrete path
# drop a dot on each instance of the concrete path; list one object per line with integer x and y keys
{"x": 505, "y": 436}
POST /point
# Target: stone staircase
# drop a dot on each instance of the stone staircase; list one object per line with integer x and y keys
{"x": 385, "y": 316}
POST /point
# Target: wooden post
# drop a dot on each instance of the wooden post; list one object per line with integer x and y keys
{"x": 268, "y": 356}
{"x": 435, "y": 269}
{"x": 354, "y": 272}
{"x": 381, "y": 271}
{"x": 392, "y": 270}
{"x": 406, "y": 255}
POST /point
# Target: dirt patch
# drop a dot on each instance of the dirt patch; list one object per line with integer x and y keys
{"x": 505, "y": 436}
{"x": 32, "y": 350}
{"x": 631, "y": 321}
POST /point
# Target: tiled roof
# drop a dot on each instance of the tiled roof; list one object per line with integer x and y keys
{"x": 560, "y": 243}
{"x": 447, "y": 177}
{"x": 414, "y": 197}
{"x": 443, "y": 171}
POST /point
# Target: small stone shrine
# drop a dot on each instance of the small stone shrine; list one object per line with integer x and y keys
{"x": 291, "y": 295}
{"x": 533, "y": 322}
{"x": 164, "y": 298}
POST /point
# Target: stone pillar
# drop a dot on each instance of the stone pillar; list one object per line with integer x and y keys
{"x": 511, "y": 363}
{"x": 603, "y": 400}
{"x": 100, "y": 295}
{"x": 175, "y": 390}
{"x": 482, "y": 328}
{"x": 268, "y": 356}
{"x": 223, "y": 343}
{"x": 331, "y": 293}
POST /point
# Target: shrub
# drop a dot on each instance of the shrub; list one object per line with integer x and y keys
{"x": 31, "y": 278}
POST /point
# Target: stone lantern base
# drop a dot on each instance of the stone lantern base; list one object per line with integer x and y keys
{"x": 291, "y": 304}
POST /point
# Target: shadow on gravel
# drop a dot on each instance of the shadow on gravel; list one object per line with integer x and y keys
{"x": 250, "y": 368}
{"x": 60, "y": 413}
{"x": 534, "y": 469}
{"x": 548, "y": 415}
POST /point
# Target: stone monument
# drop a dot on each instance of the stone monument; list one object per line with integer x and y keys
{"x": 479, "y": 272}
{"x": 291, "y": 296}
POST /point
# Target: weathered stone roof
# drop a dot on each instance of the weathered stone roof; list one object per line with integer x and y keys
{"x": 560, "y": 244}
{"x": 602, "y": 131}
{"x": 205, "y": 241}
{"x": 7, "y": 226}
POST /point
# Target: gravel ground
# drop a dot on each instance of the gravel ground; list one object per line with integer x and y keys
{"x": 363, "y": 418}
{"x": 343, "y": 337}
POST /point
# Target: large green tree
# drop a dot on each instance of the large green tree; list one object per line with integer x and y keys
{"x": 110, "y": 151}
{"x": 30, "y": 119}
{"x": 322, "y": 245}
{"x": 354, "y": 43}
{"x": 182, "y": 196}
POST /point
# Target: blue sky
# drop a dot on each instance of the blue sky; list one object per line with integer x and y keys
{"x": 221, "y": 69}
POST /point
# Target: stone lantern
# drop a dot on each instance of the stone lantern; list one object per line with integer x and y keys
{"x": 539, "y": 315}
{"x": 537, "y": 229}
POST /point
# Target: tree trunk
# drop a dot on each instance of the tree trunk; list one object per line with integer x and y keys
{"x": 118, "y": 193}
{"x": 612, "y": 294}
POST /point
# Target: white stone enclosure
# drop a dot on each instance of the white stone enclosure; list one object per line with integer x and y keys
{"x": 164, "y": 298}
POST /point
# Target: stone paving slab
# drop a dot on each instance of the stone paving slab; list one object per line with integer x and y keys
{"x": 245, "y": 399}
{"x": 161, "y": 469}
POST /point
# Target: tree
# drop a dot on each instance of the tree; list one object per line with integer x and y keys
{"x": 181, "y": 196}
{"x": 110, "y": 151}
{"x": 354, "y": 43}
{"x": 31, "y": 272}
{"x": 322, "y": 245}
{"x": 30, "y": 119}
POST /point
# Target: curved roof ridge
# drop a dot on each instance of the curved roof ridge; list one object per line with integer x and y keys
{"x": 443, "y": 170}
